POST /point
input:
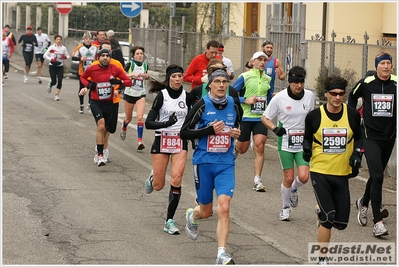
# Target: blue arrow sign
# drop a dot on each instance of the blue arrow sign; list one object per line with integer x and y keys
{"x": 131, "y": 9}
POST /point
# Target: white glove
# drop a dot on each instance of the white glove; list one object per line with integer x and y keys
{"x": 204, "y": 79}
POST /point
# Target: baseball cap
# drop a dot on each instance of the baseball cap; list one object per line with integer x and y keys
{"x": 259, "y": 54}
{"x": 29, "y": 27}
{"x": 110, "y": 33}
{"x": 39, "y": 28}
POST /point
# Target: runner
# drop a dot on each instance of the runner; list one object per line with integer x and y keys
{"x": 27, "y": 41}
{"x": 135, "y": 95}
{"x": 166, "y": 117}
{"x": 56, "y": 54}
{"x": 86, "y": 54}
{"x": 43, "y": 41}
{"x": 214, "y": 122}
{"x": 101, "y": 85}
{"x": 290, "y": 106}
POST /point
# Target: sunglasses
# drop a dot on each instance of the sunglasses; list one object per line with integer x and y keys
{"x": 335, "y": 93}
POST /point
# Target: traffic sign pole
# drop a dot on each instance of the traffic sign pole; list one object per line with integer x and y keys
{"x": 63, "y": 8}
{"x": 131, "y": 10}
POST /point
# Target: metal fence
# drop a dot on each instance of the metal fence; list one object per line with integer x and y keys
{"x": 287, "y": 34}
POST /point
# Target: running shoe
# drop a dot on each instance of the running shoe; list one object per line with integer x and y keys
{"x": 258, "y": 186}
{"x": 379, "y": 229}
{"x": 294, "y": 198}
{"x": 148, "y": 183}
{"x": 317, "y": 210}
{"x": 362, "y": 213}
{"x": 323, "y": 261}
{"x": 191, "y": 228}
{"x": 123, "y": 133}
{"x": 25, "y": 78}
{"x": 49, "y": 87}
{"x": 56, "y": 98}
{"x": 285, "y": 214}
{"x": 106, "y": 155}
{"x": 384, "y": 212}
{"x": 96, "y": 158}
{"x": 224, "y": 259}
{"x": 6, "y": 75}
{"x": 140, "y": 146}
{"x": 170, "y": 228}
{"x": 40, "y": 80}
{"x": 101, "y": 161}
{"x": 88, "y": 106}
{"x": 81, "y": 109}
{"x": 235, "y": 152}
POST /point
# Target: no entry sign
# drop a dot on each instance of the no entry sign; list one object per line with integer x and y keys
{"x": 64, "y": 7}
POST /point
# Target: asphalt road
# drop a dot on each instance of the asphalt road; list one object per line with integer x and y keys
{"x": 60, "y": 208}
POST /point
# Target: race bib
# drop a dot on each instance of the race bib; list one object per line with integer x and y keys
{"x": 104, "y": 90}
{"x": 382, "y": 105}
{"x": 171, "y": 142}
{"x": 28, "y": 47}
{"x": 87, "y": 63}
{"x": 260, "y": 106}
{"x": 334, "y": 140}
{"x": 295, "y": 138}
{"x": 269, "y": 71}
{"x": 219, "y": 142}
{"x": 138, "y": 84}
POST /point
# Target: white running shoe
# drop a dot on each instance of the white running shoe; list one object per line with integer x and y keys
{"x": 101, "y": 161}
{"x": 81, "y": 110}
{"x": 317, "y": 210}
{"x": 258, "y": 186}
{"x": 106, "y": 155}
{"x": 362, "y": 213}
{"x": 49, "y": 87}
{"x": 148, "y": 183}
{"x": 170, "y": 228}
{"x": 6, "y": 75}
{"x": 379, "y": 229}
{"x": 191, "y": 228}
{"x": 25, "y": 78}
{"x": 285, "y": 214}
{"x": 225, "y": 259}
{"x": 123, "y": 133}
{"x": 294, "y": 198}
{"x": 56, "y": 98}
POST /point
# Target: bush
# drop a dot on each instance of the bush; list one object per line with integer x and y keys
{"x": 347, "y": 74}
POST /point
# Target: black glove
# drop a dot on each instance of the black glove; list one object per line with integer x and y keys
{"x": 307, "y": 150}
{"x": 115, "y": 81}
{"x": 92, "y": 86}
{"x": 121, "y": 89}
{"x": 355, "y": 159}
{"x": 355, "y": 172}
{"x": 306, "y": 155}
{"x": 279, "y": 131}
{"x": 172, "y": 119}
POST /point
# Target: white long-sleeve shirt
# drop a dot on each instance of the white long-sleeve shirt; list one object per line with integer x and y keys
{"x": 57, "y": 52}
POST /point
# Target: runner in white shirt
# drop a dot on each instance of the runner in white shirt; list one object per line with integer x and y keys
{"x": 290, "y": 106}
{"x": 226, "y": 61}
{"x": 43, "y": 41}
